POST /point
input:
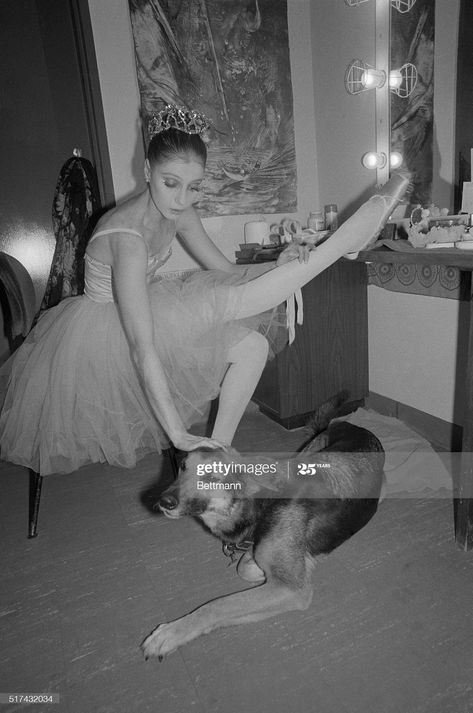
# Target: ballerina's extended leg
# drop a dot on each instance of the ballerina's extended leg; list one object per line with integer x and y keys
{"x": 354, "y": 234}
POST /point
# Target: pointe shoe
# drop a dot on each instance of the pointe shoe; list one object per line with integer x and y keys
{"x": 389, "y": 196}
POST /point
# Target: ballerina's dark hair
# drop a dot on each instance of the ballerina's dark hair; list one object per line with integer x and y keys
{"x": 172, "y": 143}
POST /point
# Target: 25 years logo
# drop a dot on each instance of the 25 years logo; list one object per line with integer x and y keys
{"x": 306, "y": 469}
{"x": 310, "y": 468}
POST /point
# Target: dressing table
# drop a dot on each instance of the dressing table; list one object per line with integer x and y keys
{"x": 330, "y": 353}
{"x": 463, "y": 260}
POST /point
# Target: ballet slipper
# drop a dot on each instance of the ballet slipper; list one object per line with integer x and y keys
{"x": 389, "y": 196}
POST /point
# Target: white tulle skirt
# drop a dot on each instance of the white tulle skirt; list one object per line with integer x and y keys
{"x": 71, "y": 394}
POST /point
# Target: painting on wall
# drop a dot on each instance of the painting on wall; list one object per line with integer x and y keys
{"x": 412, "y": 119}
{"x": 230, "y": 60}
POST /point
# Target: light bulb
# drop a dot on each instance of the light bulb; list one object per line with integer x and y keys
{"x": 395, "y": 79}
{"x": 374, "y": 160}
{"x": 395, "y": 159}
{"x": 373, "y": 78}
{"x": 367, "y": 79}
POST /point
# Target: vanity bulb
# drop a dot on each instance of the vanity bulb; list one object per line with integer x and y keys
{"x": 374, "y": 160}
{"x": 373, "y": 78}
{"x": 395, "y": 159}
{"x": 395, "y": 78}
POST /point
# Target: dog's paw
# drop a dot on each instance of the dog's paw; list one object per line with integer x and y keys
{"x": 157, "y": 643}
{"x": 248, "y": 570}
{"x": 165, "y": 639}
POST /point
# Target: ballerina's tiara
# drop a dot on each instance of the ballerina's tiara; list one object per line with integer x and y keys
{"x": 180, "y": 118}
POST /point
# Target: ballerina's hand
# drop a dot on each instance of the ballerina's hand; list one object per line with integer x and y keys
{"x": 188, "y": 442}
{"x": 294, "y": 251}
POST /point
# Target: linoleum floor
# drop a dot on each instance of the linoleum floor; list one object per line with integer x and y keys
{"x": 390, "y": 629}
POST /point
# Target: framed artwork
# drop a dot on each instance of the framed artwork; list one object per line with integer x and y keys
{"x": 412, "y": 119}
{"x": 228, "y": 59}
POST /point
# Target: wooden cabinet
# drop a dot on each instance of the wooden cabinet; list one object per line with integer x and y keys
{"x": 330, "y": 351}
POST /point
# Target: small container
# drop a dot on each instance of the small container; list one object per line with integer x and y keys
{"x": 257, "y": 231}
{"x": 316, "y": 220}
{"x": 331, "y": 216}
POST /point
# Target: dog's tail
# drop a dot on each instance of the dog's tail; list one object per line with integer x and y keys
{"x": 321, "y": 418}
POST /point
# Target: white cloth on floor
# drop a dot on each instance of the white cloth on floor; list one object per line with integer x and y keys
{"x": 412, "y": 465}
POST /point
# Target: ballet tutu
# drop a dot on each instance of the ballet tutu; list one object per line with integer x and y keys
{"x": 71, "y": 395}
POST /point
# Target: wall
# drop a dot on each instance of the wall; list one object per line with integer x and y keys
{"x": 446, "y": 42}
{"x": 39, "y": 129}
{"x": 464, "y": 124}
{"x": 345, "y": 124}
{"x": 115, "y": 59}
{"x": 412, "y": 339}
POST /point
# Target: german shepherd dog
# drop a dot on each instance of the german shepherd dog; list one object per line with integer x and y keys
{"x": 288, "y": 524}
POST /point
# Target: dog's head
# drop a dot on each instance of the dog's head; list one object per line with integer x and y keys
{"x": 205, "y": 488}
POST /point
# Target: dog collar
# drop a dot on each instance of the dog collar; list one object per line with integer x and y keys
{"x": 230, "y": 549}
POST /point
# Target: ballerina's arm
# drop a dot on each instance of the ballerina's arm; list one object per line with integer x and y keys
{"x": 195, "y": 238}
{"x": 130, "y": 256}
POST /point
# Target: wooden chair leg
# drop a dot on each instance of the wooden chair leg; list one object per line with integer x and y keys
{"x": 36, "y": 481}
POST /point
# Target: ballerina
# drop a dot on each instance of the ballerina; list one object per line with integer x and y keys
{"x": 127, "y": 367}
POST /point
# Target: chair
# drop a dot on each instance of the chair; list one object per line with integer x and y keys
{"x": 36, "y": 482}
{"x": 18, "y": 304}
{"x": 17, "y": 300}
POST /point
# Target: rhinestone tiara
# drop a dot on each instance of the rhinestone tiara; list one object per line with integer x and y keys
{"x": 180, "y": 118}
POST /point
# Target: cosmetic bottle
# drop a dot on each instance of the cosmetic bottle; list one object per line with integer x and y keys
{"x": 331, "y": 216}
{"x": 316, "y": 220}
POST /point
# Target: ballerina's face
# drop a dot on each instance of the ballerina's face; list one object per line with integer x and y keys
{"x": 175, "y": 184}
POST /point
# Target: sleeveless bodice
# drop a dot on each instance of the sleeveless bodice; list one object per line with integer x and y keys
{"x": 98, "y": 275}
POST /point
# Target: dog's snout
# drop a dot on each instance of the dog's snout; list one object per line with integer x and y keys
{"x": 168, "y": 501}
